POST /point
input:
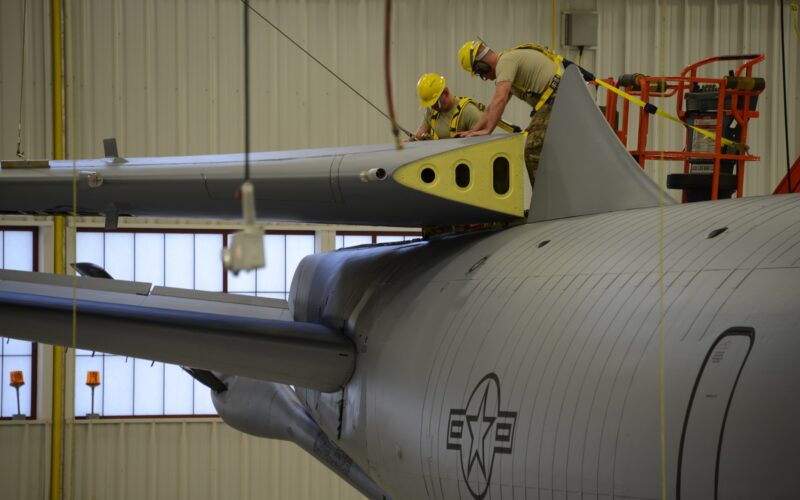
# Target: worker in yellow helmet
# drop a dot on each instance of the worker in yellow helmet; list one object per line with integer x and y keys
{"x": 445, "y": 113}
{"x": 531, "y": 73}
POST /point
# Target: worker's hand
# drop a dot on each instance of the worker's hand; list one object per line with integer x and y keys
{"x": 423, "y": 137}
{"x": 472, "y": 133}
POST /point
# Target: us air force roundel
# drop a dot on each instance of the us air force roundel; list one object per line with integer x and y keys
{"x": 479, "y": 432}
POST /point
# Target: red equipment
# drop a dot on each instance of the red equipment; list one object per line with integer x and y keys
{"x": 723, "y": 106}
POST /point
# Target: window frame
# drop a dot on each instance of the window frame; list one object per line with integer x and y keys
{"x": 34, "y": 379}
{"x": 225, "y": 234}
{"x": 375, "y": 234}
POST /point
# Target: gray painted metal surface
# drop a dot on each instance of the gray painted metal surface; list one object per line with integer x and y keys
{"x": 584, "y": 168}
{"x": 247, "y": 337}
{"x": 317, "y": 185}
{"x": 273, "y": 411}
{"x": 496, "y": 366}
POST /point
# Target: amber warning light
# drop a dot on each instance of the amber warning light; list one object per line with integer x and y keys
{"x": 92, "y": 379}
{"x": 17, "y": 381}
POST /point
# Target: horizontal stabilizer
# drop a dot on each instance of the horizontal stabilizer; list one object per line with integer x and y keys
{"x": 233, "y": 334}
{"x": 427, "y": 183}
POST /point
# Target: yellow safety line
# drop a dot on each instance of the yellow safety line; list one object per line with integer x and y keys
{"x": 660, "y": 112}
{"x": 57, "y": 410}
{"x": 73, "y": 238}
{"x": 794, "y": 13}
{"x": 57, "y": 414}
{"x": 58, "y": 82}
{"x": 661, "y": 309}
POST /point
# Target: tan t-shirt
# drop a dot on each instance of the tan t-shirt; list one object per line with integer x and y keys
{"x": 526, "y": 69}
{"x": 470, "y": 115}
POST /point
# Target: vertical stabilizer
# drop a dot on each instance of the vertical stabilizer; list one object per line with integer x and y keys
{"x": 584, "y": 168}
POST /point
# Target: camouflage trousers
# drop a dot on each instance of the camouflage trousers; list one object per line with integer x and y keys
{"x": 535, "y": 140}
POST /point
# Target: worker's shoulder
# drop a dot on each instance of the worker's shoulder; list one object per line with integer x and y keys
{"x": 523, "y": 55}
{"x": 471, "y": 106}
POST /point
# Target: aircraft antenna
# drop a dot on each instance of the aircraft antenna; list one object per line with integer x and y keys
{"x": 356, "y": 92}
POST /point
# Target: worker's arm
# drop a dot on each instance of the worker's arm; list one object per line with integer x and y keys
{"x": 493, "y": 113}
{"x": 423, "y": 132}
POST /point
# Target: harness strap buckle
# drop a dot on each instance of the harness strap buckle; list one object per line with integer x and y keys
{"x": 555, "y": 82}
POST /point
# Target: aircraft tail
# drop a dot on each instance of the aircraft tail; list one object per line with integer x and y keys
{"x": 584, "y": 168}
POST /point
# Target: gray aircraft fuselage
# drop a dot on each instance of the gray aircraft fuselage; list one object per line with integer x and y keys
{"x": 525, "y": 363}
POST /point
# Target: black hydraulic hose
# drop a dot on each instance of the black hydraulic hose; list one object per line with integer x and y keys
{"x": 246, "y": 93}
{"x": 387, "y": 72}
{"x": 785, "y": 109}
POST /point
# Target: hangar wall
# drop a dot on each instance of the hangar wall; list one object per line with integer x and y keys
{"x": 165, "y": 79}
{"x": 165, "y": 458}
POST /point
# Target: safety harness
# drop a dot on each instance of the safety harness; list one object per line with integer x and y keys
{"x": 553, "y": 85}
{"x": 462, "y": 102}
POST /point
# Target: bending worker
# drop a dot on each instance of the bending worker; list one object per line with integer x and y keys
{"x": 445, "y": 113}
{"x": 531, "y": 73}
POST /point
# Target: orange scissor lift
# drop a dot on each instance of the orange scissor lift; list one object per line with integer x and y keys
{"x": 712, "y": 169}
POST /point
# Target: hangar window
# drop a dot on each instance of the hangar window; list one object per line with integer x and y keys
{"x": 283, "y": 251}
{"x": 18, "y": 251}
{"x": 346, "y": 239}
{"x": 137, "y": 387}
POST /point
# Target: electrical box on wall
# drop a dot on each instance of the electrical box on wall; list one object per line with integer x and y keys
{"x": 579, "y": 28}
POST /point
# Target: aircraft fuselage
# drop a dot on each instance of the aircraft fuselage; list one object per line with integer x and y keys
{"x": 526, "y": 363}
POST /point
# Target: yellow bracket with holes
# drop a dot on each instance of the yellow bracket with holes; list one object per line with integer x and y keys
{"x": 488, "y": 175}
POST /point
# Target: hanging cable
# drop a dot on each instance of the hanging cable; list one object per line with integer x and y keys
{"x": 20, "y": 152}
{"x": 246, "y": 92}
{"x": 387, "y": 73}
{"x": 785, "y": 111}
{"x": 246, "y": 250}
{"x": 356, "y": 92}
{"x": 662, "y": 329}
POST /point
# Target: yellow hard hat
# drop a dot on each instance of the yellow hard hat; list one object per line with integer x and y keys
{"x": 429, "y": 87}
{"x": 467, "y": 55}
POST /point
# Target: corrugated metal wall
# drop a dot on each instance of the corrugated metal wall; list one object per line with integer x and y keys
{"x": 165, "y": 78}
{"x": 180, "y": 460}
{"x": 206, "y": 459}
{"x": 33, "y": 73}
{"x": 24, "y": 459}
